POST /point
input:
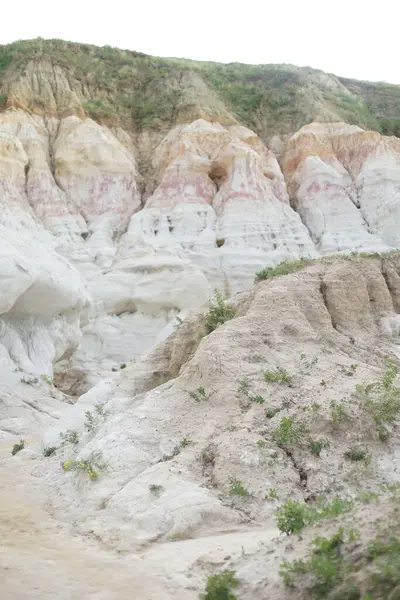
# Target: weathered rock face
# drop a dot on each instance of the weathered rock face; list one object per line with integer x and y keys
{"x": 217, "y": 211}
{"x": 344, "y": 182}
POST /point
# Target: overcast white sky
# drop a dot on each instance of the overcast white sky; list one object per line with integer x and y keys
{"x": 352, "y": 38}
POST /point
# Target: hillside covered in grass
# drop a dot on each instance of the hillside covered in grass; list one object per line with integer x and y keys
{"x": 144, "y": 92}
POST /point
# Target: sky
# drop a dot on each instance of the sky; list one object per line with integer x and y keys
{"x": 351, "y": 38}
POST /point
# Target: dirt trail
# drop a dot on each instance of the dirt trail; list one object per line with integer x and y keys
{"x": 41, "y": 558}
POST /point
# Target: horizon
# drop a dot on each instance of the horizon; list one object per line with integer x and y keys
{"x": 343, "y": 43}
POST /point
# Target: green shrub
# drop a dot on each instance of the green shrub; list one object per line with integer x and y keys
{"x": 271, "y": 412}
{"x": 185, "y": 442}
{"x": 199, "y": 394}
{"x": 71, "y": 436}
{"x": 284, "y": 268}
{"x": 93, "y": 465}
{"x": 156, "y": 489}
{"x": 316, "y": 447}
{"x": 338, "y": 413}
{"x": 18, "y": 447}
{"x": 293, "y": 516}
{"x": 289, "y": 432}
{"x": 220, "y": 586}
{"x": 278, "y": 376}
{"x": 219, "y": 312}
{"x": 357, "y": 454}
{"x": 326, "y": 567}
{"x": 237, "y": 487}
{"x": 49, "y": 450}
{"x": 272, "y": 494}
{"x": 94, "y": 419}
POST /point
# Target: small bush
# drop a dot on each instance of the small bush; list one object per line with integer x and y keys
{"x": 220, "y": 586}
{"x": 18, "y": 447}
{"x": 219, "y": 312}
{"x": 29, "y": 380}
{"x": 284, "y": 268}
{"x": 293, "y": 516}
{"x": 278, "y": 376}
{"x": 271, "y": 412}
{"x": 156, "y": 489}
{"x": 49, "y": 450}
{"x": 93, "y": 465}
{"x": 338, "y": 413}
{"x": 175, "y": 452}
{"x": 244, "y": 386}
{"x": 272, "y": 494}
{"x": 71, "y": 436}
{"x": 289, "y": 432}
{"x": 257, "y": 399}
{"x": 316, "y": 447}
{"x": 357, "y": 454}
{"x": 208, "y": 455}
{"x": 326, "y": 567}
{"x": 94, "y": 419}
{"x": 47, "y": 379}
{"x": 199, "y": 394}
{"x": 237, "y": 488}
{"x": 185, "y": 442}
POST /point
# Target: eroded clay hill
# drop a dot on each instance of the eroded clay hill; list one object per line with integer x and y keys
{"x": 293, "y": 398}
{"x": 157, "y": 434}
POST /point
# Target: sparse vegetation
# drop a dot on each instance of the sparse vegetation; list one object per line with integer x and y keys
{"x": 219, "y": 312}
{"x": 71, "y": 436}
{"x": 131, "y": 88}
{"x": 18, "y": 447}
{"x": 185, "y": 442}
{"x": 49, "y": 450}
{"x": 93, "y": 465}
{"x": 175, "y": 452}
{"x": 381, "y": 401}
{"x": 271, "y": 412}
{"x": 357, "y": 454}
{"x": 237, "y": 487}
{"x": 278, "y": 376}
{"x": 47, "y": 379}
{"x": 272, "y": 494}
{"x": 293, "y": 516}
{"x": 289, "y": 432}
{"x": 156, "y": 489}
{"x": 332, "y": 572}
{"x": 220, "y": 586}
{"x": 284, "y": 268}
{"x": 326, "y": 566}
{"x": 93, "y": 419}
{"x": 29, "y": 380}
{"x": 208, "y": 455}
{"x": 316, "y": 447}
{"x": 338, "y": 414}
{"x": 199, "y": 394}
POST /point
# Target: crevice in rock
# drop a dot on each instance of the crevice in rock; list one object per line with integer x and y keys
{"x": 303, "y": 477}
{"x": 323, "y": 292}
